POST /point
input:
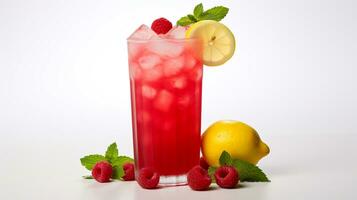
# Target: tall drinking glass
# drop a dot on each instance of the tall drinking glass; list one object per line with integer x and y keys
{"x": 166, "y": 90}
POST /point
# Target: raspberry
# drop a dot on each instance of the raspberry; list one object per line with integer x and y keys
{"x": 102, "y": 172}
{"x": 161, "y": 26}
{"x": 203, "y": 163}
{"x": 148, "y": 178}
{"x": 198, "y": 178}
{"x": 129, "y": 172}
{"x": 226, "y": 177}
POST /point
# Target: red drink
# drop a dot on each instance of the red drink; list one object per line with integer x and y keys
{"x": 166, "y": 88}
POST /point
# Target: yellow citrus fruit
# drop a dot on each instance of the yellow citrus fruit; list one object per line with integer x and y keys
{"x": 240, "y": 140}
{"x": 218, "y": 41}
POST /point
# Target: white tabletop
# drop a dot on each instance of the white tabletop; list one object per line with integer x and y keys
{"x": 304, "y": 167}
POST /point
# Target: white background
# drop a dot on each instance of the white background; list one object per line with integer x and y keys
{"x": 64, "y": 86}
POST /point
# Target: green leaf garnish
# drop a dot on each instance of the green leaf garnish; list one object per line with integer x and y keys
{"x": 211, "y": 171}
{"x": 121, "y": 160}
{"x": 118, "y": 172}
{"x": 192, "y": 18}
{"x": 225, "y": 158}
{"x": 88, "y": 177}
{"x": 216, "y": 13}
{"x": 198, "y": 10}
{"x": 184, "y": 21}
{"x": 112, "y": 156}
{"x": 247, "y": 171}
{"x": 112, "y": 152}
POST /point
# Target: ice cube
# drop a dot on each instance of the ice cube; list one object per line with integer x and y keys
{"x": 173, "y": 66}
{"x": 144, "y": 117}
{"x": 142, "y": 33}
{"x": 177, "y": 32}
{"x": 134, "y": 71}
{"x": 190, "y": 62}
{"x": 184, "y": 100}
{"x": 163, "y": 101}
{"x": 164, "y": 47}
{"x": 152, "y": 74}
{"x": 179, "y": 82}
{"x": 149, "y": 61}
{"x": 134, "y": 50}
{"x": 148, "y": 91}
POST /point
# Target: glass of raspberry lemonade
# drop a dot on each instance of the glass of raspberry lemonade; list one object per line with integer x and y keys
{"x": 166, "y": 88}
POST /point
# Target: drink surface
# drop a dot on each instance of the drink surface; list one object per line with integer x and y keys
{"x": 166, "y": 89}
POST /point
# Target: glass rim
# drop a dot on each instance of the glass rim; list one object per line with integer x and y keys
{"x": 161, "y": 39}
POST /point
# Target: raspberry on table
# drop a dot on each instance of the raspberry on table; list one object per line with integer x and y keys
{"x": 161, "y": 26}
{"x": 198, "y": 178}
{"x": 129, "y": 172}
{"x": 148, "y": 179}
{"x": 102, "y": 172}
{"x": 226, "y": 177}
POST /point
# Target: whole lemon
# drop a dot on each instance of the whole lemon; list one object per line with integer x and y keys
{"x": 238, "y": 139}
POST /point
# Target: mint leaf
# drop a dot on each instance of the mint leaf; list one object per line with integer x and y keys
{"x": 206, "y": 16}
{"x": 121, "y": 160}
{"x": 184, "y": 21}
{"x": 118, "y": 172}
{"x": 225, "y": 158}
{"x": 88, "y": 177}
{"x": 192, "y": 18}
{"x": 249, "y": 172}
{"x": 211, "y": 171}
{"x": 198, "y": 10}
{"x": 89, "y": 161}
{"x": 112, "y": 152}
{"x": 216, "y": 13}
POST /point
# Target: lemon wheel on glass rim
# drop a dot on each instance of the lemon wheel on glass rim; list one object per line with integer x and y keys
{"x": 218, "y": 41}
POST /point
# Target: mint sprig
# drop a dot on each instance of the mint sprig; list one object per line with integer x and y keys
{"x": 216, "y": 13}
{"x": 112, "y": 156}
{"x": 247, "y": 171}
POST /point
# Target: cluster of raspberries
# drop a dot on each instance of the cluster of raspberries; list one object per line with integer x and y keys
{"x": 197, "y": 178}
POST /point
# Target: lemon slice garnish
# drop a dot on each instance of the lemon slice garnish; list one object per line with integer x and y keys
{"x": 218, "y": 41}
